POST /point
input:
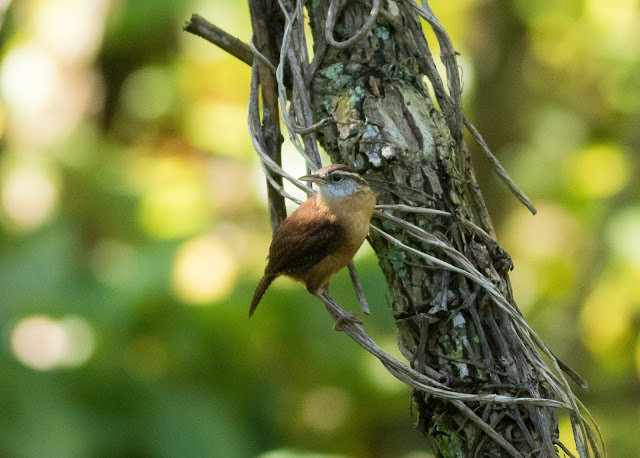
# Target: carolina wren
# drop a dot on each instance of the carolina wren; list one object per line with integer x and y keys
{"x": 323, "y": 234}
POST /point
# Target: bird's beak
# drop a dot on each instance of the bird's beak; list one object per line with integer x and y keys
{"x": 313, "y": 178}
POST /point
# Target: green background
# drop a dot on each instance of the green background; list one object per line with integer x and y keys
{"x": 133, "y": 229}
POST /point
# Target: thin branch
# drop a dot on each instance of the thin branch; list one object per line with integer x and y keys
{"x": 431, "y": 211}
{"x": 497, "y": 167}
{"x": 262, "y": 22}
{"x": 321, "y": 49}
{"x": 199, "y": 26}
{"x": 261, "y": 56}
{"x": 409, "y": 208}
{"x": 357, "y": 287}
{"x": 312, "y": 161}
{"x": 255, "y": 134}
{"x": 313, "y": 127}
{"x": 565, "y": 449}
{"x": 424, "y": 382}
{"x": 300, "y": 100}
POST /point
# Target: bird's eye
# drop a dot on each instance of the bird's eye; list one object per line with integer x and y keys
{"x": 336, "y": 178}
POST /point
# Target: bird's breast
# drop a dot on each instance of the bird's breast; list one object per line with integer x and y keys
{"x": 353, "y": 213}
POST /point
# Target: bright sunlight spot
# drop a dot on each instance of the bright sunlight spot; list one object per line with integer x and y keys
{"x": 605, "y": 319}
{"x": 72, "y": 29}
{"x": 551, "y": 232}
{"x": 614, "y": 15}
{"x": 225, "y": 117}
{"x": 598, "y": 171}
{"x": 624, "y": 235}
{"x": 204, "y": 270}
{"x": 174, "y": 202}
{"x": 29, "y": 197}
{"x": 80, "y": 341}
{"x": 43, "y": 343}
{"x": 29, "y": 79}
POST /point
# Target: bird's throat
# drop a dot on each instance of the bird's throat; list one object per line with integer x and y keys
{"x": 352, "y": 211}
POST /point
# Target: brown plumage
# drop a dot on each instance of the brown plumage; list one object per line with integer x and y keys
{"x": 323, "y": 234}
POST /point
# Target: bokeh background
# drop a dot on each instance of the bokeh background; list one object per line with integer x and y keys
{"x": 133, "y": 229}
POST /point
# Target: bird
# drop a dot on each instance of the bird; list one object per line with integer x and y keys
{"x": 323, "y": 234}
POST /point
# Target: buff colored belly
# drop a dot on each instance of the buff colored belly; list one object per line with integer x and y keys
{"x": 354, "y": 214}
{"x": 320, "y": 274}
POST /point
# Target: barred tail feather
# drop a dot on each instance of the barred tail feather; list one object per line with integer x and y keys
{"x": 260, "y": 290}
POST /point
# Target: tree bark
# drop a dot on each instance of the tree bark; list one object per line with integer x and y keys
{"x": 386, "y": 125}
{"x": 365, "y": 98}
{"x": 267, "y": 24}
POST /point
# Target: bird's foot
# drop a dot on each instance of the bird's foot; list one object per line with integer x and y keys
{"x": 343, "y": 318}
{"x": 340, "y": 316}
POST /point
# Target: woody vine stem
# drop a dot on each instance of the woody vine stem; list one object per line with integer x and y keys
{"x": 408, "y": 219}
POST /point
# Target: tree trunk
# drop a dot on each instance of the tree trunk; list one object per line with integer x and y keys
{"x": 365, "y": 98}
{"x": 386, "y": 125}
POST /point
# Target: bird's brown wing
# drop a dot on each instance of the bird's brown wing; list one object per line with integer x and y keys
{"x": 303, "y": 240}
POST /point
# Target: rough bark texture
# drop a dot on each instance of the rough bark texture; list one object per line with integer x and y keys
{"x": 365, "y": 97}
{"x": 386, "y": 125}
{"x": 267, "y": 24}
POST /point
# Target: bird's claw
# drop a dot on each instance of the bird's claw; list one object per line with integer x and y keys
{"x": 345, "y": 318}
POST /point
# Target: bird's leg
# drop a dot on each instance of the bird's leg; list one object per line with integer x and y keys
{"x": 339, "y": 316}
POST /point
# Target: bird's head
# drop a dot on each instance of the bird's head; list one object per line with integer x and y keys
{"x": 337, "y": 181}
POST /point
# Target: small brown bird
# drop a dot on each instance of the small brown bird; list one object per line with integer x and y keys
{"x": 323, "y": 234}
